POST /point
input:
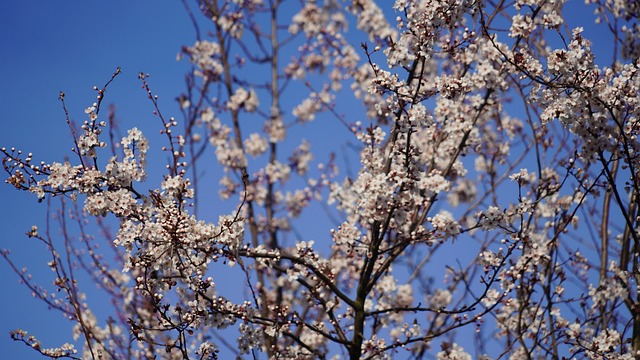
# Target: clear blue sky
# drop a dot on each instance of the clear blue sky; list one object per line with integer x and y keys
{"x": 72, "y": 45}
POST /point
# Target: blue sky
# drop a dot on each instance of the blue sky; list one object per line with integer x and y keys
{"x": 50, "y": 46}
{"x": 72, "y": 45}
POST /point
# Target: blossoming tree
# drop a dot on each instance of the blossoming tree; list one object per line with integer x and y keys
{"x": 493, "y": 211}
